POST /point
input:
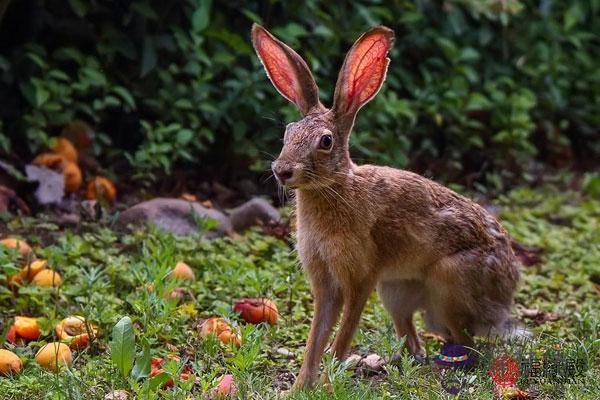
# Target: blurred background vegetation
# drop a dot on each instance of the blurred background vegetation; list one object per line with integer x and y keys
{"x": 481, "y": 93}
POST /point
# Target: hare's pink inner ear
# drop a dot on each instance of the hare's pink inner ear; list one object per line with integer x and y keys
{"x": 363, "y": 71}
{"x": 286, "y": 69}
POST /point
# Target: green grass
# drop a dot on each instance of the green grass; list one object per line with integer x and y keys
{"x": 108, "y": 275}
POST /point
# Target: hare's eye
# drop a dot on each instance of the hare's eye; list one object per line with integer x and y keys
{"x": 326, "y": 142}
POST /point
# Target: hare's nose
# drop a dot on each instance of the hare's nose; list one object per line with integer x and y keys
{"x": 283, "y": 173}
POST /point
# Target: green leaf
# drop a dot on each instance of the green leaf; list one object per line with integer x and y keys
{"x": 149, "y": 56}
{"x": 92, "y": 76}
{"x": 159, "y": 380}
{"x": 146, "y": 10}
{"x": 79, "y": 7}
{"x": 141, "y": 368}
{"x": 252, "y": 16}
{"x": 35, "y": 94}
{"x": 184, "y": 104}
{"x": 184, "y": 136}
{"x": 125, "y": 95}
{"x": 37, "y": 60}
{"x": 477, "y": 101}
{"x": 290, "y": 31}
{"x": 201, "y": 17}
{"x": 591, "y": 184}
{"x": 59, "y": 75}
{"x": 122, "y": 346}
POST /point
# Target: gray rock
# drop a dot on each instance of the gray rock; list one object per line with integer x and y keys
{"x": 68, "y": 219}
{"x": 176, "y": 216}
{"x": 89, "y": 209}
{"x": 285, "y": 352}
{"x": 256, "y": 210}
{"x": 51, "y": 188}
{"x": 248, "y": 187}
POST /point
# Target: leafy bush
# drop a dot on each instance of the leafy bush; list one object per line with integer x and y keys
{"x": 474, "y": 87}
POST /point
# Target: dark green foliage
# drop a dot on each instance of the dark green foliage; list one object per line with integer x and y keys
{"x": 474, "y": 87}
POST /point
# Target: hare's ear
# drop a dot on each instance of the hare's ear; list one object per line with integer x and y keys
{"x": 363, "y": 71}
{"x": 286, "y": 69}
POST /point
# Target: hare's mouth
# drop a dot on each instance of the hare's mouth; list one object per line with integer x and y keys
{"x": 293, "y": 183}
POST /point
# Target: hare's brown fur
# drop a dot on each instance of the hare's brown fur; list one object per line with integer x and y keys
{"x": 360, "y": 228}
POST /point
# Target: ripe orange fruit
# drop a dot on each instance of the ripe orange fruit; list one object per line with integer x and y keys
{"x": 47, "y": 278}
{"x": 17, "y": 244}
{"x": 10, "y": 363}
{"x": 11, "y": 335}
{"x": 32, "y": 269}
{"x": 75, "y": 331}
{"x": 58, "y": 163}
{"x": 65, "y": 148}
{"x": 177, "y": 294}
{"x": 27, "y": 273}
{"x": 230, "y": 337}
{"x": 256, "y": 311}
{"x": 54, "y": 355}
{"x": 73, "y": 177}
{"x": 220, "y": 328}
{"x": 101, "y": 188}
{"x": 27, "y": 327}
{"x": 156, "y": 368}
{"x": 51, "y": 161}
{"x": 183, "y": 271}
{"x": 225, "y": 387}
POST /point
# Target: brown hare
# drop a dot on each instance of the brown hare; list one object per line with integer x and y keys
{"x": 360, "y": 228}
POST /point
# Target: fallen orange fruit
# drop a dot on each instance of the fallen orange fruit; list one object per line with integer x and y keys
{"x": 256, "y": 311}
{"x": 230, "y": 337}
{"x": 101, "y": 189}
{"x": 11, "y": 335}
{"x": 225, "y": 387}
{"x": 54, "y": 355}
{"x": 17, "y": 244}
{"x": 73, "y": 177}
{"x": 183, "y": 271}
{"x": 27, "y": 273}
{"x": 58, "y": 163}
{"x": 10, "y": 363}
{"x": 65, "y": 148}
{"x": 33, "y": 268}
{"x": 51, "y": 161}
{"x": 177, "y": 294}
{"x": 221, "y": 329}
{"x": 75, "y": 331}
{"x": 27, "y": 327}
{"x": 156, "y": 368}
{"x": 16, "y": 280}
{"x": 47, "y": 278}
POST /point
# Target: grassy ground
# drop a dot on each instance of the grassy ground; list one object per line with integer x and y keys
{"x": 109, "y": 275}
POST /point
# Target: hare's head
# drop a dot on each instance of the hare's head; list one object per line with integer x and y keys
{"x": 315, "y": 149}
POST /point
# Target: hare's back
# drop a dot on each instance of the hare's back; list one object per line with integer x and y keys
{"x": 413, "y": 210}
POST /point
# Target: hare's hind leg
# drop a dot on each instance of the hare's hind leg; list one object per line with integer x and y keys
{"x": 469, "y": 289}
{"x": 401, "y": 298}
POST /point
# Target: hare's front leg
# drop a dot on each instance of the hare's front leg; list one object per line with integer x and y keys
{"x": 355, "y": 298}
{"x": 328, "y": 303}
